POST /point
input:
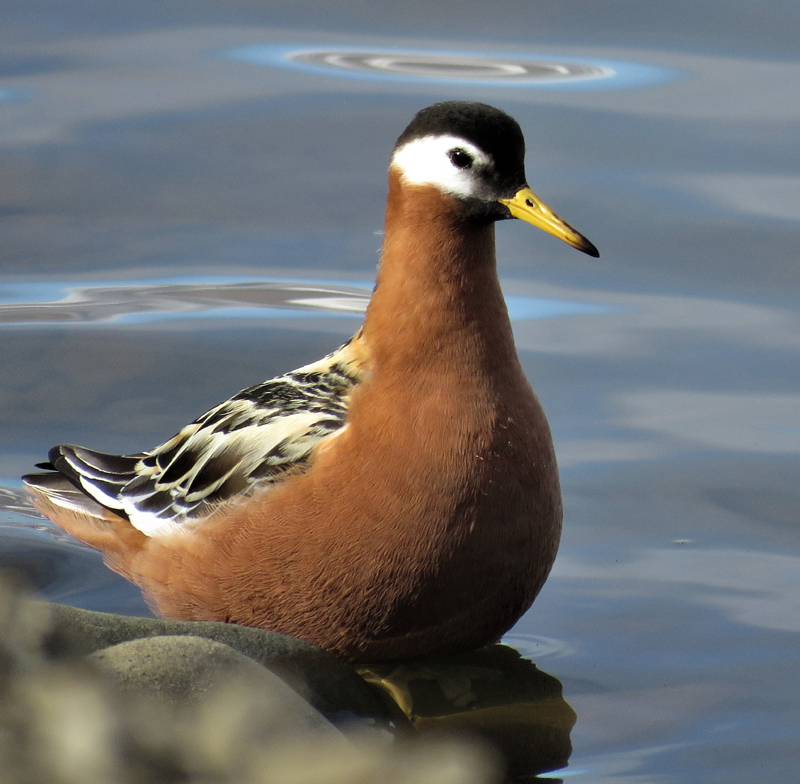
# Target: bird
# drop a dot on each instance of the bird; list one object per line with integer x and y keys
{"x": 397, "y": 499}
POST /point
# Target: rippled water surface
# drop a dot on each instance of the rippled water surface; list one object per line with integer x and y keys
{"x": 191, "y": 200}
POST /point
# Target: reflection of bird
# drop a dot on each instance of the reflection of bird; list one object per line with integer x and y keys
{"x": 491, "y": 693}
{"x": 396, "y": 499}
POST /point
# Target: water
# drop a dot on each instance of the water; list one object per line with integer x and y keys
{"x": 181, "y": 219}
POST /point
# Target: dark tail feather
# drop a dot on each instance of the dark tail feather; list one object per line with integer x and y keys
{"x": 98, "y": 474}
{"x": 80, "y": 461}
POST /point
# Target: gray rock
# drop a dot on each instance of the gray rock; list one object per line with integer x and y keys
{"x": 327, "y": 683}
{"x": 175, "y": 709}
{"x": 185, "y": 670}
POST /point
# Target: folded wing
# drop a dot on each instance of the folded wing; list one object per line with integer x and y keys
{"x": 256, "y": 438}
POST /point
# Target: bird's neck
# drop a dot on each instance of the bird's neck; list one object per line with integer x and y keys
{"x": 437, "y": 296}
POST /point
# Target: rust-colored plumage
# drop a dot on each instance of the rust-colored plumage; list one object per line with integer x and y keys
{"x": 428, "y": 520}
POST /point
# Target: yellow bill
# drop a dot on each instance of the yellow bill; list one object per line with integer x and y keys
{"x": 527, "y": 206}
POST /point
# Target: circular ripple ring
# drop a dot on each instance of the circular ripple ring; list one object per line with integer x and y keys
{"x": 451, "y": 66}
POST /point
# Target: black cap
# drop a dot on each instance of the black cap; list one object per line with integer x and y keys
{"x": 488, "y": 128}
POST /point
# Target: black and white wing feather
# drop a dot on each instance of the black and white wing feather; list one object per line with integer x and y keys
{"x": 259, "y": 436}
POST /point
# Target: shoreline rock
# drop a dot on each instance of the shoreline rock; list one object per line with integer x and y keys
{"x": 328, "y": 684}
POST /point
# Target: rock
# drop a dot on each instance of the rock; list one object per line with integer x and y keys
{"x": 184, "y": 670}
{"x": 327, "y": 683}
{"x": 172, "y": 709}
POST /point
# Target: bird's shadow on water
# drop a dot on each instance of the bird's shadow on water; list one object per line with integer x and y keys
{"x": 493, "y": 694}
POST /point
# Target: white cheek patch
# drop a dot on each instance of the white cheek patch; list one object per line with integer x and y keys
{"x": 425, "y": 161}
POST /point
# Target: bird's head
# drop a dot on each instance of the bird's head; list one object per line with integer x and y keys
{"x": 476, "y": 154}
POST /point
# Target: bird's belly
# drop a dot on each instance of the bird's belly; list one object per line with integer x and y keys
{"x": 409, "y": 557}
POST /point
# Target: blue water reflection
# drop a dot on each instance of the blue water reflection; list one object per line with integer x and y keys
{"x": 194, "y": 297}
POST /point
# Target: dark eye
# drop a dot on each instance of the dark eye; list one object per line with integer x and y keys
{"x": 460, "y": 158}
